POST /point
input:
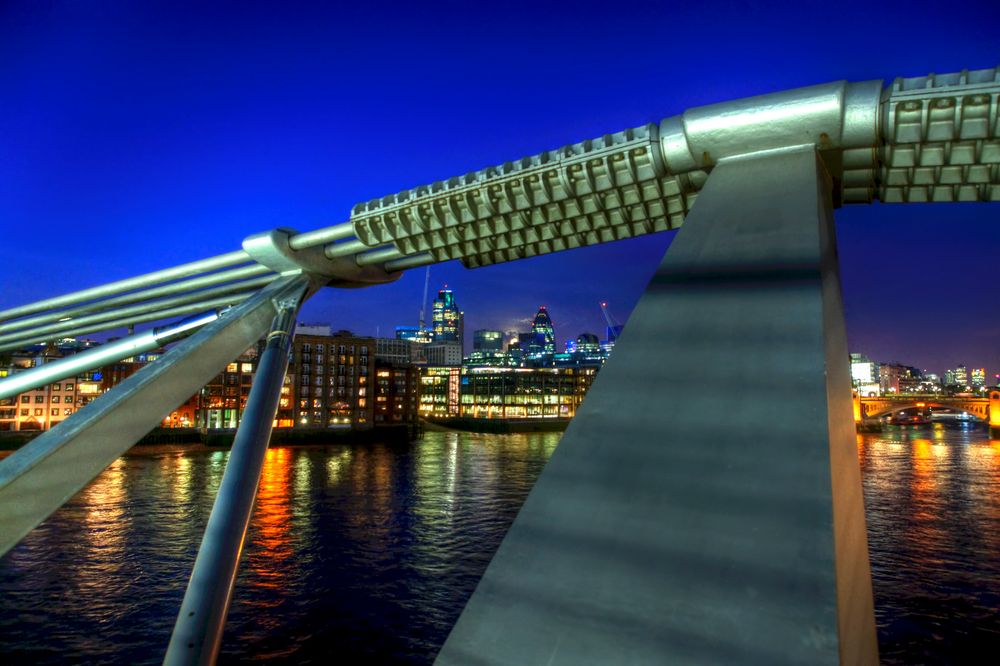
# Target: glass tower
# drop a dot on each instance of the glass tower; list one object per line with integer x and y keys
{"x": 447, "y": 322}
{"x": 543, "y": 340}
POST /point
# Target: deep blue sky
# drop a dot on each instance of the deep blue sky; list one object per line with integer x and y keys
{"x": 134, "y": 136}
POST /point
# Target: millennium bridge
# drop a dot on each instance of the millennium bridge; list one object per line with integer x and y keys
{"x": 649, "y": 537}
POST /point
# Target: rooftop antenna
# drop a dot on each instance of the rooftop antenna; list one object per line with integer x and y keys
{"x": 423, "y": 302}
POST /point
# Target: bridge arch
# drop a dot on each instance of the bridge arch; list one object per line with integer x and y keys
{"x": 873, "y": 408}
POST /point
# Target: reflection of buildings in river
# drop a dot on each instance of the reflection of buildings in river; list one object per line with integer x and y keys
{"x": 270, "y": 538}
{"x": 101, "y": 557}
{"x": 983, "y": 463}
{"x": 337, "y": 464}
{"x": 106, "y": 518}
{"x": 372, "y": 481}
{"x": 176, "y": 470}
{"x": 928, "y": 501}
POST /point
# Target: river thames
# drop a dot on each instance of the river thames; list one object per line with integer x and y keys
{"x": 367, "y": 553}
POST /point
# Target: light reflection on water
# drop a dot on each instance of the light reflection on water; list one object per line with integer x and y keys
{"x": 368, "y": 553}
{"x": 932, "y": 501}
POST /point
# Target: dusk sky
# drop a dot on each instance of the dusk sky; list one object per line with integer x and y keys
{"x": 135, "y": 136}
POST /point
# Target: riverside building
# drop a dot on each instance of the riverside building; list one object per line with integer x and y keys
{"x": 328, "y": 383}
{"x": 504, "y": 393}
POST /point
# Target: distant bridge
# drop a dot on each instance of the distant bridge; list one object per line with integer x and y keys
{"x": 985, "y": 409}
{"x": 657, "y": 533}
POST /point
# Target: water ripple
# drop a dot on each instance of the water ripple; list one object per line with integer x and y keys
{"x": 367, "y": 554}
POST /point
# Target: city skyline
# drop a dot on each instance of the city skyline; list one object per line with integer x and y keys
{"x": 137, "y": 139}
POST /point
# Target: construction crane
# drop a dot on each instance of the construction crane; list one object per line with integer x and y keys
{"x": 614, "y": 326}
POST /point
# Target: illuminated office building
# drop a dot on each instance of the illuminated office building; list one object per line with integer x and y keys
{"x": 488, "y": 350}
{"x": 957, "y": 377}
{"x": 865, "y": 375}
{"x": 542, "y": 340}
{"x": 447, "y": 319}
{"x": 978, "y": 377}
{"x": 504, "y": 393}
{"x": 487, "y": 340}
{"x": 586, "y": 350}
{"x": 414, "y": 334}
{"x": 440, "y": 392}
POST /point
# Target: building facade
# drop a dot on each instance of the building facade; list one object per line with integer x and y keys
{"x": 977, "y": 378}
{"x": 222, "y": 401}
{"x": 444, "y": 353}
{"x": 448, "y": 322}
{"x": 504, "y": 393}
{"x": 487, "y": 340}
{"x": 328, "y": 383}
{"x": 542, "y": 340}
{"x": 865, "y": 375}
{"x": 397, "y": 394}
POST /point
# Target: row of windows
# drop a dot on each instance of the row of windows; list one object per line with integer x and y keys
{"x": 331, "y": 381}
{"x": 341, "y": 349}
{"x": 40, "y": 399}
{"x": 307, "y": 368}
{"x": 339, "y": 405}
{"x": 340, "y": 391}
{"x": 41, "y": 412}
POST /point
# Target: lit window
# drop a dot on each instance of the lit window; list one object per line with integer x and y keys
{"x": 57, "y": 387}
{"x": 246, "y": 367}
{"x": 55, "y": 400}
{"x": 67, "y": 412}
{"x": 69, "y": 387}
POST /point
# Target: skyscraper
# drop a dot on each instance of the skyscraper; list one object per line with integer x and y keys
{"x": 448, "y": 320}
{"x": 543, "y": 340}
{"x": 957, "y": 377}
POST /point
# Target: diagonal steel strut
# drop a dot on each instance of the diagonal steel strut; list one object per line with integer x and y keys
{"x": 198, "y": 631}
{"x": 38, "y": 478}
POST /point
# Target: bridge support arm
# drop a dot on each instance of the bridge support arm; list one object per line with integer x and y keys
{"x": 705, "y": 504}
{"x": 197, "y": 633}
{"x": 36, "y": 479}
